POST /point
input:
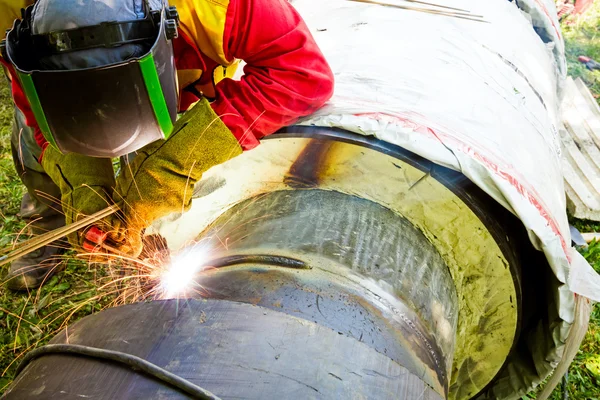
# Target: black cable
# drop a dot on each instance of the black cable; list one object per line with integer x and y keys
{"x": 134, "y": 362}
{"x": 565, "y": 386}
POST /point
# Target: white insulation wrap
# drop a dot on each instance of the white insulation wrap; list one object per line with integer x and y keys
{"x": 480, "y": 98}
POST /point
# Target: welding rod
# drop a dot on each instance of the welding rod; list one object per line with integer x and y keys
{"x": 42, "y": 240}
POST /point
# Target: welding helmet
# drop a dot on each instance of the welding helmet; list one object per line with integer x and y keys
{"x": 107, "y": 86}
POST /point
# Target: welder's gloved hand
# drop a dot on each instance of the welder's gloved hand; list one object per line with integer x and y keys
{"x": 161, "y": 178}
{"x": 86, "y": 185}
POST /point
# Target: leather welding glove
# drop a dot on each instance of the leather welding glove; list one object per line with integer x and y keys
{"x": 86, "y": 185}
{"x": 161, "y": 178}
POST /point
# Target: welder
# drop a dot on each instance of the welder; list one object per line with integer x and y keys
{"x": 94, "y": 80}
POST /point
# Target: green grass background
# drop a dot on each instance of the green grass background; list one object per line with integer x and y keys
{"x": 582, "y": 37}
{"x": 30, "y": 319}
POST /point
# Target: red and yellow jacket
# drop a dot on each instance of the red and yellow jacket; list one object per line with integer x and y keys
{"x": 285, "y": 76}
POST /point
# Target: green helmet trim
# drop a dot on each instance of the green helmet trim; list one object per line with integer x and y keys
{"x": 36, "y": 107}
{"x": 155, "y": 92}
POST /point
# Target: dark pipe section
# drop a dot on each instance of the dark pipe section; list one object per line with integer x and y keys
{"x": 231, "y": 349}
{"x": 136, "y": 364}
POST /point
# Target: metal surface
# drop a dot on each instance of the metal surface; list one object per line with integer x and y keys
{"x": 476, "y": 238}
{"x": 374, "y": 276}
{"x": 232, "y": 349}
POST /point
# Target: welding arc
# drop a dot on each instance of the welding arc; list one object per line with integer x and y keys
{"x": 48, "y": 237}
{"x": 136, "y": 363}
{"x": 278, "y": 261}
{"x": 462, "y": 14}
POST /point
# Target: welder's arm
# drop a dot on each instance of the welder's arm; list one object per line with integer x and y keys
{"x": 161, "y": 178}
{"x": 286, "y": 76}
{"x": 9, "y": 11}
{"x": 85, "y": 183}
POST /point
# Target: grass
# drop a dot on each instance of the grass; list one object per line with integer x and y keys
{"x": 31, "y": 319}
{"x": 584, "y": 373}
{"x": 11, "y": 188}
{"x": 582, "y": 37}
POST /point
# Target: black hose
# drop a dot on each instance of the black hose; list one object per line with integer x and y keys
{"x": 134, "y": 362}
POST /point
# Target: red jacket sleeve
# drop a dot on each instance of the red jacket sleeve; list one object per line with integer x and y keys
{"x": 285, "y": 77}
{"x": 22, "y": 104}
{"x": 9, "y": 11}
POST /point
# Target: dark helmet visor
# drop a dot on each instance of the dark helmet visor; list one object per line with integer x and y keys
{"x": 105, "y": 111}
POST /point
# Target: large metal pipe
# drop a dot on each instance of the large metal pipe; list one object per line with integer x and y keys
{"x": 346, "y": 268}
